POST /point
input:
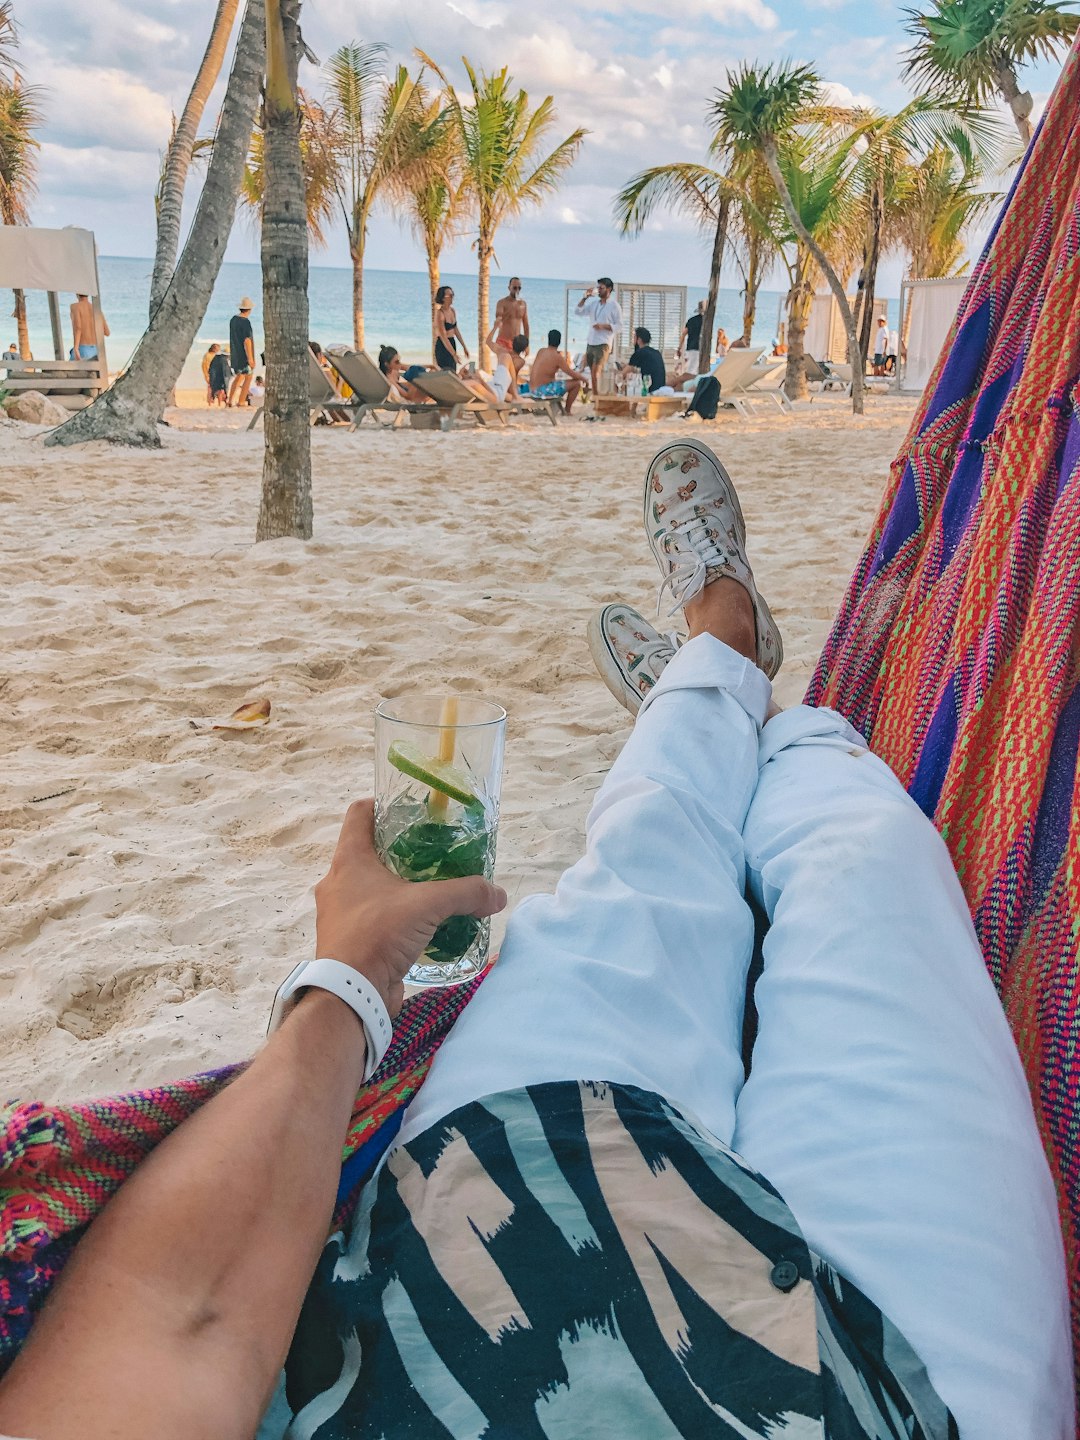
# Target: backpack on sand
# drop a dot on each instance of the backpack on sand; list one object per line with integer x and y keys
{"x": 706, "y": 399}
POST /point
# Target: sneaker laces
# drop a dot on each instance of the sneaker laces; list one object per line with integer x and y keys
{"x": 688, "y": 567}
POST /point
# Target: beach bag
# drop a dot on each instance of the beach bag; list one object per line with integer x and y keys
{"x": 706, "y": 399}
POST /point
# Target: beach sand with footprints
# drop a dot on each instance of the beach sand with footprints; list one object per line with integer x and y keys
{"x": 156, "y": 874}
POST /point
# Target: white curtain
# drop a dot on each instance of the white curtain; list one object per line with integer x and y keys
{"x": 932, "y": 307}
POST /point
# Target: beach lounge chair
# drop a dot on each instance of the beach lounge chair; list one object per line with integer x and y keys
{"x": 548, "y": 406}
{"x": 736, "y": 373}
{"x": 371, "y": 389}
{"x": 322, "y": 397}
{"x": 768, "y": 384}
{"x": 454, "y": 397}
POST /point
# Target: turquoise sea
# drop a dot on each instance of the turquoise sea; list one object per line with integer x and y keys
{"x": 396, "y": 303}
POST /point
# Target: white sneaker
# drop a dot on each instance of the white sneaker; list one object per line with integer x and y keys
{"x": 697, "y": 533}
{"x": 629, "y": 653}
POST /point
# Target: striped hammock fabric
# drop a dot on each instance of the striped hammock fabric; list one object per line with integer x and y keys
{"x": 59, "y": 1166}
{"x": 956, "y": 649}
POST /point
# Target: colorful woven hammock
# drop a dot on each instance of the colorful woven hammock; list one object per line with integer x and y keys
{"x": 58, "y": 1167}
{"x": 956, "y": 648}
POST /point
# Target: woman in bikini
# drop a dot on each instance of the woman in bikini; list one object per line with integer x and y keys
{"x": 447, "y": 335}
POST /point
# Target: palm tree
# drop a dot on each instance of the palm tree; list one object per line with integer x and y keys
{"x": 20, "y": 115}
{"x": 888, "y": 144}
{"x": 181, "y": 149}
{"x": 430, "y": 184}
{"x": 821, "y": 180}
{"x": 129, "y": 411}
{"x": 942, "y": 198}
{"x": 972, "y": 49}
{"x": 499, "y": 137}
{"x": 319, "y": 144}
{"x": 756, "y": 114}
{"x": 759, "y": 221}
{"x": 371, "y": 116}
{"x": 285, "y": 507}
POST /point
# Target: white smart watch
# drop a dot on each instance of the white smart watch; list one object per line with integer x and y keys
{"x": 348, "y": 985}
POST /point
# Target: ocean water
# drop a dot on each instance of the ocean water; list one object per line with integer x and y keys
{"x": 397, "y": 310}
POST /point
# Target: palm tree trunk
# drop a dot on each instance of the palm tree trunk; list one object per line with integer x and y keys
{"x": 434, "y": 280}
{"x": 750, "y": 294}
{"x": 128, "y": 412}
{"x": 800, "y": 299}
{"x": 485, "y": 249}
{"x": 356, "y": 253}
{"x": 870, "y": 269}
{"x": 716, "y": 262}
{"x": 22, "y": 328}
{"x": 1019, "y": 101}
{"x": 772, "y": 161}
{"x": 181, "y": 148}
{"x": 285, "y": 508}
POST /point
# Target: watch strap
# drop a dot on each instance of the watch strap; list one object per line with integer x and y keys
{"x": 348, "y": 985}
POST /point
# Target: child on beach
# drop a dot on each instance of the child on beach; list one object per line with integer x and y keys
{"x": 217, "y": 376}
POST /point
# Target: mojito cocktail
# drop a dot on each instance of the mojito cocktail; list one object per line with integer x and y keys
{"x": 438, "y": 770}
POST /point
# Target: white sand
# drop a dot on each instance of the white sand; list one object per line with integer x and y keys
{"x": 150, "y": 911}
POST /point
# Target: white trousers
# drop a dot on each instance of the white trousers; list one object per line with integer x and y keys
{"x": 886, "y": 1101}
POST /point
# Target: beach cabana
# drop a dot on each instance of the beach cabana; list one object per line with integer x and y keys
{"x": 56, "y": 261}
{"x": 826, "y": 338}
{"x": 927, "y": 311}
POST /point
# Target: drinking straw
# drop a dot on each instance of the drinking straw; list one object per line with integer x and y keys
{"x": 448, "y": 719}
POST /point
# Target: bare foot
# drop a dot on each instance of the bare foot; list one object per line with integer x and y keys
{"x": 724, "y": 609}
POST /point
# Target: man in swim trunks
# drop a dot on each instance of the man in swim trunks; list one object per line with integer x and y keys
{"x": 83, "y": 330}
{"x": 549, "y": 364}
{"x": 511, "y": 320}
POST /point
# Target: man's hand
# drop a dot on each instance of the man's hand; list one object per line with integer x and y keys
{"x": 371, "y": 919}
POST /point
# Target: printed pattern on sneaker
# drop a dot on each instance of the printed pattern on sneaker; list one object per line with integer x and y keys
{"x": 697, "y": 533}
{"x": 629, "y": 653}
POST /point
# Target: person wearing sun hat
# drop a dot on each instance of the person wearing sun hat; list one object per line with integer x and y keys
{"x": 241, "y": 352}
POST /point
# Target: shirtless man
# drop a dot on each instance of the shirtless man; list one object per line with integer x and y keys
{"x": 83, "y": 332}
{"x": 548, "y": 366}
{"x": 511, "y": 320}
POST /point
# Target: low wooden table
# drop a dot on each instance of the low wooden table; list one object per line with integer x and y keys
{"x": 643, "y": 407}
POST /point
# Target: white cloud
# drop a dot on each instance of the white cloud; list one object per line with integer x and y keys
{"x": 568, "y": 216}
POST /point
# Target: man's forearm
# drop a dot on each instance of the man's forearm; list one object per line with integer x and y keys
{"x": 202, "y": 1260}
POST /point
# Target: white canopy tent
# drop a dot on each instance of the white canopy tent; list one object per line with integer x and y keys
{"x": 927, "y": 311}
{"x": 826, "y": 338}
{"x": 56, "y": 261}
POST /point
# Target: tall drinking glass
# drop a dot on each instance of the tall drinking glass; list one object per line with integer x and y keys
{"x": 438, "y": 773}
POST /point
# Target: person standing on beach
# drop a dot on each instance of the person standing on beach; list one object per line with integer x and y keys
{"x": 511, "y": 320}
{"x": 605, "y": 315}
{"x": 690, "y": 339}
{"x": 241, "y": 353}
{"x": 447, "y": 335}
{"x": 217, "y": 377}
{"x": 881, "y": 345}
{"x": 207, "y": 361}
{"x": 83, "y": 329}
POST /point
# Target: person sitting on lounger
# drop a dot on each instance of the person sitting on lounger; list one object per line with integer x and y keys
{"x": 549, "y": 367}
{"x": 502, "y": 384}
{"x": 593, "y": 1220}
{"x": 400, "y": 379}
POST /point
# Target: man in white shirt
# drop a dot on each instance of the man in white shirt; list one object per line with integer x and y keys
{"x": 881, "y": 345}
{"x": 606, "y": 317}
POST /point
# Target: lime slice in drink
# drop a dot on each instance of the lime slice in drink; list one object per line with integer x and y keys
{"x": 438, "y": 774}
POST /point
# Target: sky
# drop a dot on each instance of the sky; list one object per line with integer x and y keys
{"x": 637, "y": 74}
